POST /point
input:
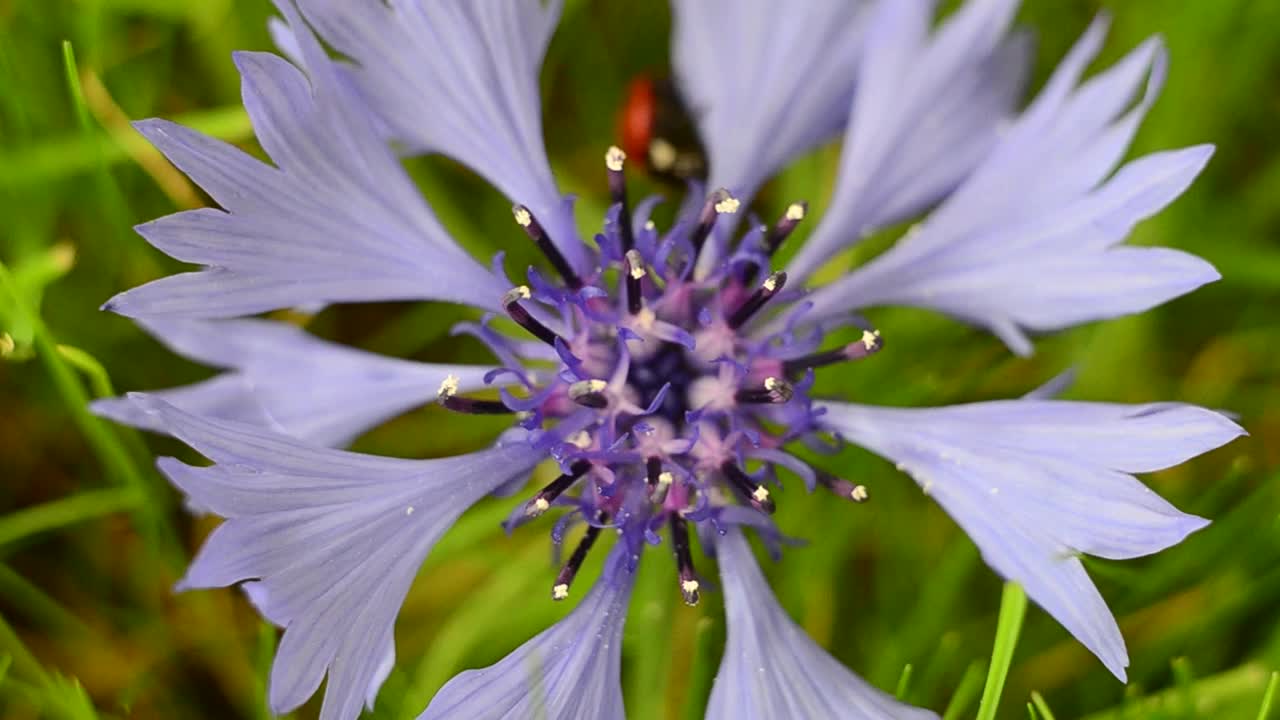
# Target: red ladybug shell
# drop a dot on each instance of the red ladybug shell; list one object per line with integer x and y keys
{"x": 635, "y": 122}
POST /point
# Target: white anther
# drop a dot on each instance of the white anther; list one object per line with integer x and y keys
{"x": 636, "y": 262}
{"x": 665, "y": 478}
{"x": 580, "y": 439}
{"x": 870, "y": 338}
{"x": 560, "y": 592}
{"x": 649, "y": 225}
{"x": 795, "y": 211}
{"x": 516, "y": 294}
{"x": 761, "y": 493}
{"x": 541, "y": 504}
{"x": 689, "y": 586}
{"x": 728, "y": 205}
{"x": 614, "y": 157}
{"x": 448, "y": 387}
{"x": 408, "y": 511}
{"x": 771, "y": 283}
{"x": 523, "y": 217}
{"x": 858, "y": 493}
{"x": 585, "y": 387}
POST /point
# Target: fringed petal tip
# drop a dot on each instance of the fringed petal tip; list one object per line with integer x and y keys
{"x": 282, "y": 378}
{"x": 763, "y": 93}
{"x": 1044, "y": 256}
{"x": 333, "y": 540}
{"x": 1035, "y": 482}
{"x": 488, "y": 118}
{"x": 898, "y": 157}
{"x": 284, "y": 235}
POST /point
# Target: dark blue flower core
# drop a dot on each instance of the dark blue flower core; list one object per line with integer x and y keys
{"x": 660, "y": 394}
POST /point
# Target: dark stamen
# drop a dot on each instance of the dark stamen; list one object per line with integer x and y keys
{"x": 471, "y": 406}
{"x": 535, "y": 231}
{"x": 775, "y": 236}
{"x": 560, "y": 590}
{"x": 755, "y": 495}
{"x": 781, "y": 230}
{"x": 718, "y": 203}
{"x": 590, "y": 393}
{"x": 448, "y": 397}
{"x": 613, "y": 161}
{"x": 659, "y": 480}
{"x": 870, "y": 344}
{"x": 635, "y": 273}
{"x": 774, "y": 391}
{"x": 547, "y": 495}
{"x": 771, "y": 286}
{"x": 684, "y": 559}
{"x": 653, "y": 469}
{"x": 842, "y": 487}
{"x": 511, "y": 301}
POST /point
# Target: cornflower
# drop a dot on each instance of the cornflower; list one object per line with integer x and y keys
{"x": 667, "y": 374}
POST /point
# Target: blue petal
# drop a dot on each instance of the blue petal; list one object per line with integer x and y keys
{"x": 333, "y": 540}
{"x": 927, "y": 110}
{"x": 1036, "y": 482}
{"x": 1028, "y": 241}
{"x": 288, "y": 380}
{"x": 765, "y": 83}
{"x": 336, "y": 219}
{"x": 772, "y": 668}
{"x": 460, "y": 78}
{"x": 570, "y": 671}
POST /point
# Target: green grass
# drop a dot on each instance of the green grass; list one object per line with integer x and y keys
{"x": 1013, "y": 608}
{"x": 92, "y": 539}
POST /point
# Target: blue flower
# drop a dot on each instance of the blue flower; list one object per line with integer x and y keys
{"x": 653, "y": 367}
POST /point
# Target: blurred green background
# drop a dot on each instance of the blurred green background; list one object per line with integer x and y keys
{"x": 92, "y": 539}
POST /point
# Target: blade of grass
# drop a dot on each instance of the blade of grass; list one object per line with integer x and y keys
{"x": 55, "y": 159}
{"x": 1043, "y": 707}
{"x": 99, "y": 381}
{"x": 73, "y": 83}
{"x": 108, "y": 196}
{"x": 1268, "y": 696}
{"x": 111, "y": 453}
{"x": 66, "y": 511}
{"x": 1013, "y": 608}
{"x": 1212, "y": 693}
{"x": 37, "y": 606}
{"x": 966, "y": 692}
{"x": 25, "y": 664}
{"x": 904, "y": 683}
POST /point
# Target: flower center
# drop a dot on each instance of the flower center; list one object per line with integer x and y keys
{"x": 647, "y": 385}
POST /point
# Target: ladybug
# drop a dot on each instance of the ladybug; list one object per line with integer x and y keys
{"x": 655, "y": 126}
